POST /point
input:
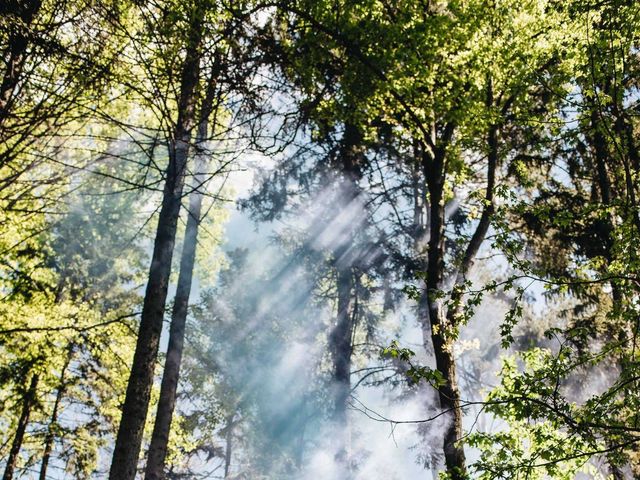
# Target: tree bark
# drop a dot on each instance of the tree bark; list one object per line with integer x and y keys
{"x": 450, "y": 394}
{"x": 171, "y": 375}
{"x": 136, "y": 404}
{"x": 27, "y": 405}
{"x": 599, "y": 143}
{"x": 443, "y": 327}
{"x": 630, "y": 158}
{"x": 16, "y": 50}
{"x": 228, "y": 450}
{"x": 341, "y": 337}
{"x": 341, "y": 347}
{"x": 628, "y": 154}
{"x": 53, "y": 423}
{"x": 441, "y": 331}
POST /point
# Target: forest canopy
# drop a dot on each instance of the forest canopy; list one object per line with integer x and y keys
{"x": 302, "y": 239}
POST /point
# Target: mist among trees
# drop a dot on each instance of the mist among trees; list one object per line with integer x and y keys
{"x": 308, "y": 239}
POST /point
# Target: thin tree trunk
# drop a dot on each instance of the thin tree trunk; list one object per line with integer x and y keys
{"x": 16, "y": 50}
{"x": 455, "y": 309}
{"x": 27, "y": 405}
{"x": 136, "y": 404}
{"x": 53, "y": 423}
{"x": 630, "y": 157}
{"x": 599, "y": 143}
{"x": 228, "y": 450}
{"x": 171, "y": 374}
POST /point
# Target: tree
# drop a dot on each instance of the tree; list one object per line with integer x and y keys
{"x": 446, "y": 112}
{"x": 210, "y": 105}
{"x": 68, "y": 296}
{"x": 136, "y": 404}
{"x": 587, "y": 217}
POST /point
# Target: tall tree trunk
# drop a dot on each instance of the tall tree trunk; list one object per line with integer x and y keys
{"x": 630, "y": 157}
{"x": 341, "y": 347}
{"x": 599, "y": 144}
{"x": 53, "y": 423}
{"x": 419, "y": 263}
{"x": 16, "y": 51}
{"x": 341, "y": 337}
{"x": 27, "y": 405}
{"x": 171, "y": 374}
{"x": 228, "y": 449}
{"x": 136, "y": 404}
{"x": 441, "y": 331}
{"x": 600, "y": 147}
{"x": 443, "y": 327}
{"x": 450, "y": 394}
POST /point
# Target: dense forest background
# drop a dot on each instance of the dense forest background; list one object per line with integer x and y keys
{"x": 304, "y": 239}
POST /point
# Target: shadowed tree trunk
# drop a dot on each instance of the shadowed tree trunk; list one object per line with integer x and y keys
{"x": 136, "y": 404}
{"x": 444, "y": 325}
{"x": 341, "y": 344}
{"x": 599, "y": 144}
{"x": 436, "y": 321}
{"x": 341, "y": 337}
{"x": 53, "y": 423}
{"x": 171, "y": 374}
{"x": 629, "y": 156}
{"x": 600, "y": 147}
{"x": 228, "y": 449}
{"x": 27, "y": 405}
{"x": 16, "y": 50}
{"x": 443, "y": 335}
